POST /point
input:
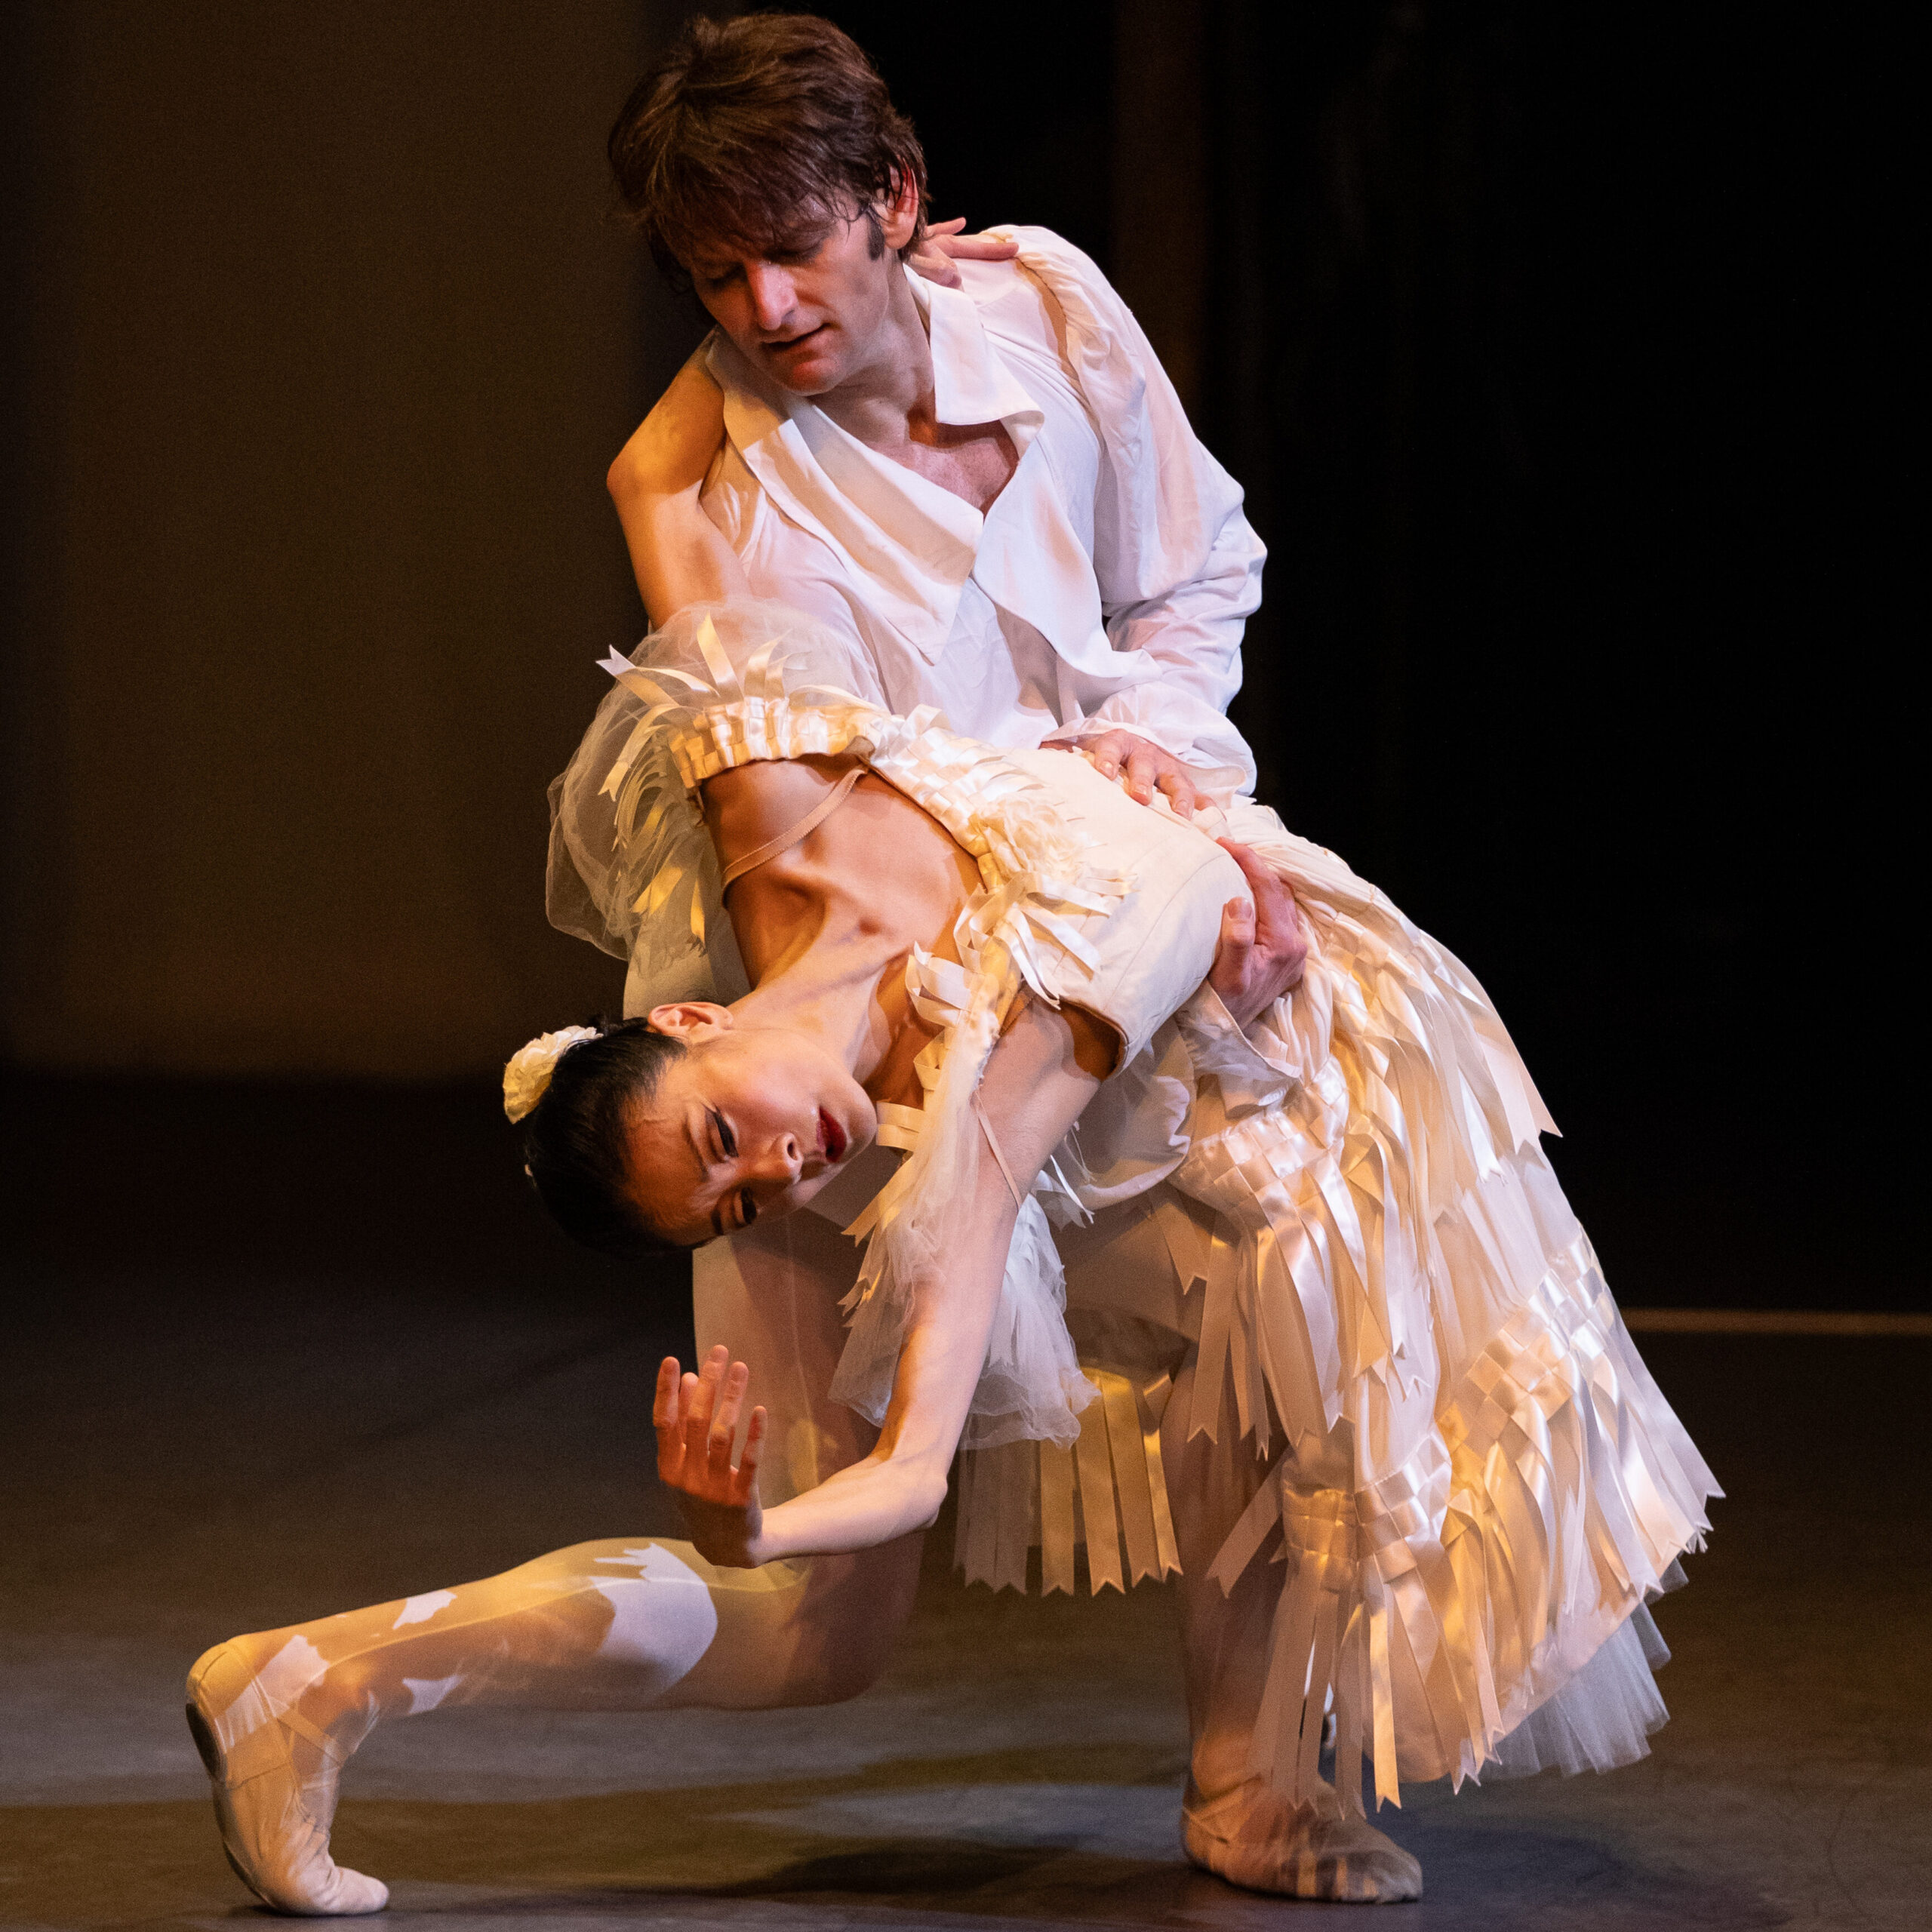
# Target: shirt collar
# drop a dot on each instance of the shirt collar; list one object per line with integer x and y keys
{"x": 911, "y": 543}
{"x": 971, "y": 383}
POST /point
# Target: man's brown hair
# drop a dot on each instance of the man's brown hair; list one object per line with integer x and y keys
{"x": 749, "y": 130}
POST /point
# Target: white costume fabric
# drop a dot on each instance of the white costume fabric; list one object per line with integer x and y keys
{"x": 1385, "y": 1306}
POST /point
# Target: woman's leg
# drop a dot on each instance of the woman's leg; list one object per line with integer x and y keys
{"x": 1232, "y": 1822}
{"x": 636, "y": 1624}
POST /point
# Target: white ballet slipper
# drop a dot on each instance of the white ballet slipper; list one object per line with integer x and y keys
{"x": 1255, "y": 1838}
{"x": 275, "y": 1823}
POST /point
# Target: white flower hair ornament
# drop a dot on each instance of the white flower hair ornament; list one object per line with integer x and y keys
{"x": 527, "y": 1078}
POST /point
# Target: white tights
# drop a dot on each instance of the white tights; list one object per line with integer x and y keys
{"x": 634, "y": 1624}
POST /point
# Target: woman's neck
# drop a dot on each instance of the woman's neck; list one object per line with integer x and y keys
{"x": 826, "y": 981}
{"x": 824, "y": 946}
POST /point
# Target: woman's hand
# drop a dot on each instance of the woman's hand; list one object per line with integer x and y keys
{"x": 944, "y": 245}
{"x": 697, "y": 1417}
{"x": 1261, "y": 953}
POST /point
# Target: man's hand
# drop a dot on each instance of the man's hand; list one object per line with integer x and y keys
{"x": 1149, "y": 768}
{"x": 1261, "y": 953}
{"x": 697, "y": 1417}
{"x": 944, "y": 245}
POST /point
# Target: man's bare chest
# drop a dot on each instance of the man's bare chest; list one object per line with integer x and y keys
{"x": 975, "y": 463}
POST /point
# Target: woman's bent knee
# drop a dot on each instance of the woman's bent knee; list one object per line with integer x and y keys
{"x": 850, "y": 1625}
{"x": 815, "y": 1632}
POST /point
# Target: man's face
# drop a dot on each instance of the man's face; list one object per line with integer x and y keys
{"x": 810, "y": 313}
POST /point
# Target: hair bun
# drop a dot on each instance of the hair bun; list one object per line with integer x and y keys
{"x": 527, "y": 1078}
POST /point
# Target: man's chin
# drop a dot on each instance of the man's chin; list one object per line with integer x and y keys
{"x": 811, "y": 372}
{"x": 807, "y": 382}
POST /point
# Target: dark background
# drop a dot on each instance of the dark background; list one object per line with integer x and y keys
{"x": 1558, "y": 351}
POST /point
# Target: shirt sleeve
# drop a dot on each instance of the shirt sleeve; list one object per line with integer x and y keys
{"x": 1255, "y": 1066}
{"x": 1178, "y": 564}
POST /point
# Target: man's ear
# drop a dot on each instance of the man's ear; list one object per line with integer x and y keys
{"x": 899, "y": 215}
{"x": 690, "y": 1020}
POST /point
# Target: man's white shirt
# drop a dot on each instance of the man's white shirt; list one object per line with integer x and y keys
{"x": 1108, "y": 584}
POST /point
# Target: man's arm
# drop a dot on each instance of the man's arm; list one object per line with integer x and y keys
{"x": 1179, "y": 566}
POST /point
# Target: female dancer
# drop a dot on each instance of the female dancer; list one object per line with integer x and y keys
{"x": 1356, "y": 1325}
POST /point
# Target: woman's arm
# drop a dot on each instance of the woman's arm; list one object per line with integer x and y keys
{"x": 679, "y": 555}
{"x": 1033, "y": 1091}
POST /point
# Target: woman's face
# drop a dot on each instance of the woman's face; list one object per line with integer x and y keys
{"x": 750, "y": 1124}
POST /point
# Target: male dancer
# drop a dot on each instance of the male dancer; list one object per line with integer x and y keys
{"x": 995, "y": 488}
{"x": 994, "y": 485}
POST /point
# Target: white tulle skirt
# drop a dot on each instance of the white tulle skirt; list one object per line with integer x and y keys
{"x": 1602, "y": 1718}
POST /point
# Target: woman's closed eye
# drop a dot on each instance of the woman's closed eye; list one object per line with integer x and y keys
{"x": 727, "y": 1141}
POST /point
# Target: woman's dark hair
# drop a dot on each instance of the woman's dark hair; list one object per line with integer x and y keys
{"x": 746, "y": 129}
{"x": 575, "y": 1143}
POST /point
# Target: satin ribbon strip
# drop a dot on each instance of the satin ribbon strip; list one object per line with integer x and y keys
{"x": 979, "y": 1521}
{"x": 1019, "y": 1468}
{"x": 992, "y": 1141}
{"x": 991, "y": 1539}
{"x": 1152, "y": 1402}
{"x": 1056, "y": 1524}
{"x": 1108, "y": 1490}
{"x": 1131, "y": 1486}
{"x": 1217, "y": 1317}
{"x": 899, "y": 1127}
{"x": 1094, "y": 1462}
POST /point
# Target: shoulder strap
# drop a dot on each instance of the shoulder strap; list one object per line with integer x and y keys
{"x": 792, "y": 833}
{"x": 986, "y": 1128}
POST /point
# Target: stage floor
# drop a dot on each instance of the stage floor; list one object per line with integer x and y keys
{"x": 203, "y": 1443}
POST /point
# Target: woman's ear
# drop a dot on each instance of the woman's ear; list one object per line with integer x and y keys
{"x": 690, "y": 1021}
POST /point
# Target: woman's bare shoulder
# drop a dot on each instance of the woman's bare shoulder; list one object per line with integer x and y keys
{"x": 752, "y": 805}
{"x": 770, "y": 780}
